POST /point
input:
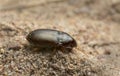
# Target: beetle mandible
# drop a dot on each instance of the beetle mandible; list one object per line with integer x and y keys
{"x": 49, "y": 38}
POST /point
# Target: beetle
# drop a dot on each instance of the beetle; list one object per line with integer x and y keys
{"x": 49, "y": 38}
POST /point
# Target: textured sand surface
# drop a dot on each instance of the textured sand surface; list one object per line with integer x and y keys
{"x": 95, "y": 25}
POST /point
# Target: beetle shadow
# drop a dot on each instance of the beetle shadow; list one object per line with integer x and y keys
{"x": 35, "y": 50}
{"x": 45, "y": 51}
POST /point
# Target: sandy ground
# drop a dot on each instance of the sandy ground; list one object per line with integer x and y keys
{"x": 95, "y": 25}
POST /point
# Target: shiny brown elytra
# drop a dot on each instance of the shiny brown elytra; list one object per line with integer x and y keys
{"x": 48, "y": 38}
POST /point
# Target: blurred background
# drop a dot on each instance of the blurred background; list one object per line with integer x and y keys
{"x": 96, "y": 9}
{"x": 95, "y": 25}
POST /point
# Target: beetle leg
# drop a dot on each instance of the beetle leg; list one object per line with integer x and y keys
{"x": 69, "y": 48}
{"x": 34, "y": 48}
{"x": 66, "y": 49}
{"x": 62, "y": 49}
{"x": 54, "y": 52}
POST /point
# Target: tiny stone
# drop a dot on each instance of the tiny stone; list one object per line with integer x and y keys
{"x": 2, "y": 51}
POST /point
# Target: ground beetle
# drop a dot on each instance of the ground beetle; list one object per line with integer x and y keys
{"x": 48, "y": 38}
